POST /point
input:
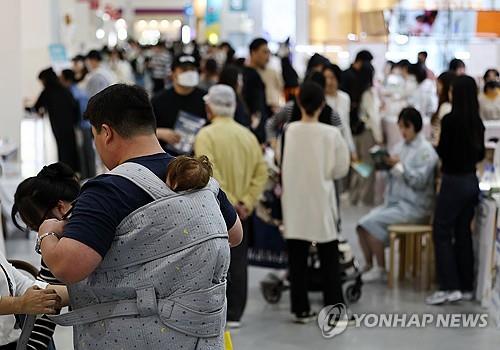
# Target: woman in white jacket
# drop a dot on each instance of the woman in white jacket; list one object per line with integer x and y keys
{"x": 424, "y": 97}
{"x": 315, "y": 155}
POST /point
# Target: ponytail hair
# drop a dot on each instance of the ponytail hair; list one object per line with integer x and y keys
{"x": 37, "y": 195}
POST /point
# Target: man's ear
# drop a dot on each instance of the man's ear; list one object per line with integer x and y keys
{"x": 209, "y": 111}
{"x": 108, "y": 132}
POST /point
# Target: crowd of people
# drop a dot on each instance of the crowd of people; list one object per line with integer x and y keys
{"x": 157, "y": 235}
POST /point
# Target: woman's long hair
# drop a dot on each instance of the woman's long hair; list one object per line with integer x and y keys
{"x": 366, "y": 75}
{"x": 446, "y": 79}
{"x": 465, "y": 111}
{"x": 37, "y": 195}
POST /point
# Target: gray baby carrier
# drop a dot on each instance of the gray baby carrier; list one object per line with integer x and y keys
{"x": 162, "y": 285}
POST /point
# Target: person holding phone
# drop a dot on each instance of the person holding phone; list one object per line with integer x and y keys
{"x": 409, "y": 194}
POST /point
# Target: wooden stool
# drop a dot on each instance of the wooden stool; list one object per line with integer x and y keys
{"x": 416, "y": 254}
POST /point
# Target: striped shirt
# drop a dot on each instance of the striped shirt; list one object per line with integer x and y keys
{"x": 274, "y": 125}
{"x": 44, "y": 328}
{"x": 160, "y": 65}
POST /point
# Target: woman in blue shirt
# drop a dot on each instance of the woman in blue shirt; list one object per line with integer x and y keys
{"x": 409, "y": 194}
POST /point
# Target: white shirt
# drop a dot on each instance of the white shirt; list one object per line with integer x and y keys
{"x": 444, "y": 109}
{"x": 274, "y": 86}
{"x": 123, "y": 72}
{"x": 341, "y": 103}
{"x": 489, "y": 109}
{"x": 20, "y": 283}
{"x": 314, "y": 155}
{"x": 424, "y": 98}
{"x": 369, "y": 112}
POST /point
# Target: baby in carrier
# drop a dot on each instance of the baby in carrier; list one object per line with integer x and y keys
{"x": 188, "y": 173}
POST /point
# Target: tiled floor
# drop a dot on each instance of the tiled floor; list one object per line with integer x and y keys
{"x": 269, "y": 326}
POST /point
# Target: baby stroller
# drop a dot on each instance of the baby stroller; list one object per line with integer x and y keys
{"x": 268, "y": 211}
{"x": 273, "y": 286}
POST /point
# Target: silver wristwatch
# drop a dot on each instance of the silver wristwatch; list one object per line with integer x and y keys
{"x": 40, "y": 239}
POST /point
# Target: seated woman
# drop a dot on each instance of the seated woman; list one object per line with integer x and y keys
{"x": 409, "y": 194}
{"x": 45, "y": 196}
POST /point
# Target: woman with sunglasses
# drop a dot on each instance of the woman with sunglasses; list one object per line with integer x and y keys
{"x": 46, "y": 196}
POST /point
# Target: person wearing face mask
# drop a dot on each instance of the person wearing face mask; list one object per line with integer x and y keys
{"x": 183, "y": 97}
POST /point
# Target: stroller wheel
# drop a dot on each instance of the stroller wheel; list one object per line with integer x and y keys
{"x": 353, "y": 293}
{"x": 272, "y": 293}
{"x": 272, "y": 288}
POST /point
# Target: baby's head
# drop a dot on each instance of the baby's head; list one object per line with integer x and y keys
{"x": 188, "y": 173}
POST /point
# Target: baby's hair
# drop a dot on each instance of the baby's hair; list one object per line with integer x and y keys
{"x": 189, "y": 173}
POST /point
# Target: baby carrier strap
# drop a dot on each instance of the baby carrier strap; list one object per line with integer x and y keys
{"x": 198, "y": 313}
{"x": 144, "y": 178}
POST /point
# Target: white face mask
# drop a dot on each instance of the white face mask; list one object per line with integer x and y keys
{"x": 188, "y": 79}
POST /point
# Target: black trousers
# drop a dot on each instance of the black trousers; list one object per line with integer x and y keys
{"x": 87, "y": 154}
{"x": 237, "y": 286}
{"x": 66, "y": 147}
{"x": 298, "y": 253}
{"x": 455, "y": 208}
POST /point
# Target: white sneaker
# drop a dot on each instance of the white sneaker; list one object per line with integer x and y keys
{"x": 441, "y": 297}
{"x": 305, "y": 317}
{"x": 375, "y": 274}
{"x": 468, "y": 295}
{"x": 233, "y": 324}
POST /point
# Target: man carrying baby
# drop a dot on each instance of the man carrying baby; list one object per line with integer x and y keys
{"x": 140, "y": 259}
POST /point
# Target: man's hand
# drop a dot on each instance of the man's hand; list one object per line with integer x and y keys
{"x": 52, "y": 225}
{"x": 391, "y": 161}
{"x": 255, "y": 120}
{"x": 39, "y": 301}
{"x": 168, "y": 135}
{"x": 242, "y": 211}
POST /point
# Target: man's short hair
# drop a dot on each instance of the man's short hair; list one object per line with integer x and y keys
{"x": 94, "y": 55}
{"x": 455, "y": 64}
{"x": 256, "y": 44}
{"x": 68, "y": 75}
{"x": 125, "y": 108}
{"x": 423, "y": 53}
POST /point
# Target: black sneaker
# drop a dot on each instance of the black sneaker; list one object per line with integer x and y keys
{"x": 305, "y": 317}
